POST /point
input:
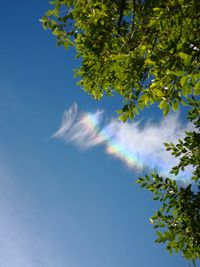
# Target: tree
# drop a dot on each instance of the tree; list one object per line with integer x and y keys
{"x": 148, "y": 52}
{"x": 179, "y": 215}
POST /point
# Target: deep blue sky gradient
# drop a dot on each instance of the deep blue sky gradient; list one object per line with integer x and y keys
{"x": 74, "y": 208}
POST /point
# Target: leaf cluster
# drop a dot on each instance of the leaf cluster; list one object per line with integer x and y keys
{"x": 179, "y": 215}
{"x": 145, "y": 51}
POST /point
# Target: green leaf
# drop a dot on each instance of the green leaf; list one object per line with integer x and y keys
{"x": 163, "y": 104}
{"x": 187, "y": 58}
{"x": 175, "y": 105}
{"x": 166, "y": 110}
{"x": 153, "y": 22}
{"x": 155, "y": 216}
{"x": 185, "y": 91}
{"x": 142, "y": 49}
{"x": 178, "y": 73}
{"x": 183, "y": 55}
{"x": 183, "y": 80}
{"x": 179, "y": 46}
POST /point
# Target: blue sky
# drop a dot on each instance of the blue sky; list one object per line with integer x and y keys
{"x": 66, "y": 199}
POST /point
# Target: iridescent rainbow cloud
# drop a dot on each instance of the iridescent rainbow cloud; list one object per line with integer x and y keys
{"x": 114, "y": 146}
{"x": 138, "y": 147}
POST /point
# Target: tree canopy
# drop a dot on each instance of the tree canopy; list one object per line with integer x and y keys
{"x": 147, "y": 51}
{"x": 179, "y": 215}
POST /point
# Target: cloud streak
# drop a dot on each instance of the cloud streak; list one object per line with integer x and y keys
{"x": 81, "y": 129}
{"x": 137, "y": 146}
{"x": 20, "y": 244}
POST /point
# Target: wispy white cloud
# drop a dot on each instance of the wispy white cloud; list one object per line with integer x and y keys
{"x": 80, "y": 128}
{"x": 20, "y": 244}
{"x": 136, "y": 145}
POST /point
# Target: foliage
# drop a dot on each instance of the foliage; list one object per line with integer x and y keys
{"x": 148, "y": 54}
{"x": 147, "y": 51}
{"x": 179, "y": 215}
